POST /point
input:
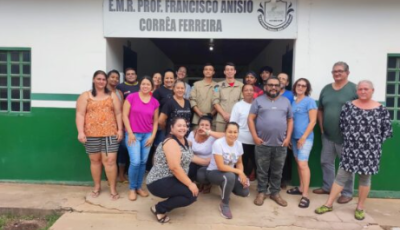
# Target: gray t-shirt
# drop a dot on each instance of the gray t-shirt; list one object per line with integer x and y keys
{"x": 271, "y": 121}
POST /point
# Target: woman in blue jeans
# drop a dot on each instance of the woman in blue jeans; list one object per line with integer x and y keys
{"x": 304, "y": 118}
{"x": 140, "y": 115}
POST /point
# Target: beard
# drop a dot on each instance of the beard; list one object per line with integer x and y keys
{"x": 272, "y": 95}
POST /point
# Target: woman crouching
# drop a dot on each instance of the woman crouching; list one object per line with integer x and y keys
{"x": 226, "y": 168}
{"x": 168, "y": 178}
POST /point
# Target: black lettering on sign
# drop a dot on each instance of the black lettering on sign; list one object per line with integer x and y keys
{"x": 223, "y": 7}
{"x": 149, "y": 6}
{"x": 231, "y": 7}
{"x": 120, "y": 5}
{"x": 110, "y": 5}
{"x": 142, "y": 24}
{"x": 215, "y": 6}
{"x": 130, "y": 5}
{"x": 200, "y": 25}
{"x": 240, "y": 6}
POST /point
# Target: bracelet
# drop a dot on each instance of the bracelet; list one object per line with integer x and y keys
{"x": 208, "y": 132}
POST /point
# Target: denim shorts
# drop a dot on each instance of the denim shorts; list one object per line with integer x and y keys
{"x": 303, "y": 153}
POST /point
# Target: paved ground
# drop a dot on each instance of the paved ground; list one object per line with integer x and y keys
{"x": 84, "y": 212}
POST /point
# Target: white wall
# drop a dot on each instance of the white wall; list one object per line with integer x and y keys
{"x": 360, "y": 33}
{"x": 66, "y": 38}
{"x": 272, "y": 56}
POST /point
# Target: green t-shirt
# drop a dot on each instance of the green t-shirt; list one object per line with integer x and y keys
{"x": 331, "y": 102}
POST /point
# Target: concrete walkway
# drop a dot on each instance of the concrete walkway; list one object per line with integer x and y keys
{"x": 84, "y": 212}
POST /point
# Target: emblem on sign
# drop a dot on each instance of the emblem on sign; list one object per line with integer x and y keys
{"x": 275, "y": 15}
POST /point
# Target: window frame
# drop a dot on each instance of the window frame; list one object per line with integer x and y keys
{"x": 21, "y": 76}
{"x": 396, "y": 83}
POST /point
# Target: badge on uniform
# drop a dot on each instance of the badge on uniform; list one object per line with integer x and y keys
{"x": 216, "y": 88}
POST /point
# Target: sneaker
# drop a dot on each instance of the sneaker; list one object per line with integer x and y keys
{"x": 323, "y": 209}
{"x": 359, "y": 214}
{"x": 225, "y": 211}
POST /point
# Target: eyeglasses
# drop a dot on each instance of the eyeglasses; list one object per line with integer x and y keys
{"x": 338, "y": 71}
{"x": 302, "y": 86}
{"x": 273, "y": 85}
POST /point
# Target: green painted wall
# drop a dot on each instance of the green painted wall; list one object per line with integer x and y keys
{"x": 387, "y": 178}
{"x": 42, "y": 146}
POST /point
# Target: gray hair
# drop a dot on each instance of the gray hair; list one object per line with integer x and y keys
{"x": 342, "y": 63}
{"x": 368, "y": 82}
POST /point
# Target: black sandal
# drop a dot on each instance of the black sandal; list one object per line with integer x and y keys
{"x": 294, "y": 191}
{"x": 163, "y": 220}
{"x": 304, "y": 202}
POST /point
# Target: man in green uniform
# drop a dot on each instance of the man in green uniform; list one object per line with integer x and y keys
{"x": 201, "y": 96}
{"x": 226, "y": 94}
{"x": 333, "y": 96}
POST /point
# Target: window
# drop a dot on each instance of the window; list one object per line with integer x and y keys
{"x": 15, "y": 80}
{"x": 393, "y": 86}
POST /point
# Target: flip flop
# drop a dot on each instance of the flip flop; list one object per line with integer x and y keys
{"x": 163, "y": 220}
{"x": 114, "y": 196}
{"x": 96, "y": 193}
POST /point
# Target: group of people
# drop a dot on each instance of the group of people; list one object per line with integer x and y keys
{"x": 222, "y": 133}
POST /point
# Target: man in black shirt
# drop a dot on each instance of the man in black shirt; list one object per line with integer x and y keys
{"x": 130, "y": 84}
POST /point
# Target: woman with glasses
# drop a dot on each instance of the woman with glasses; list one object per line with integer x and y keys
{"x": 304, "y": 119}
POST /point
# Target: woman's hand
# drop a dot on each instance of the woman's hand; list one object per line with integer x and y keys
{"x": 82, "y": 138}
{"x": 193, "y": 188}
{"x": 202, "y": 131}
{"x": 300, "y": 143}
{"x": 131, "y": 138}
{"x": 243, "y": 179}
{"x": 149, "y": 142}
{"x": 120, "y": 135}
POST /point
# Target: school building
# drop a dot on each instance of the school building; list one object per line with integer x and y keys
{"x": 50, "y": 49}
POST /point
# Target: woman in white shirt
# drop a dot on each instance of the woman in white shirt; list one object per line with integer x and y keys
{"x": 226, "y": 168}
{"x": 201, "y": 141}
{"x": 239, "y": 114}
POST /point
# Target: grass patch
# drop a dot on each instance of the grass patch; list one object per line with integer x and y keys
{"x": 15, "y": 222}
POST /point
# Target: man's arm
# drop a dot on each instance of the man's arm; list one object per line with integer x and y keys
{"x": 252, "y": 128}
{"x": 193, "y": 101}
{"x": 216, "y": 102}
{"x": 320, "y": 117}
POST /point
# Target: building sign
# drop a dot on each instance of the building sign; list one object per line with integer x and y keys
{"x": 200, "y": 19}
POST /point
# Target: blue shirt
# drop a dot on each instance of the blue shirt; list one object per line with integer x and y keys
{"x": 289, "y": 95}
{"x": 301, "y": 118}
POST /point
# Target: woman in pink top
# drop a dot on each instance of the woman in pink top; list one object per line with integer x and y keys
{"x": 140, "y": 116}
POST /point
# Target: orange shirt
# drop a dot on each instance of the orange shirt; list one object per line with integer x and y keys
{"x": 100, "y": 118}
